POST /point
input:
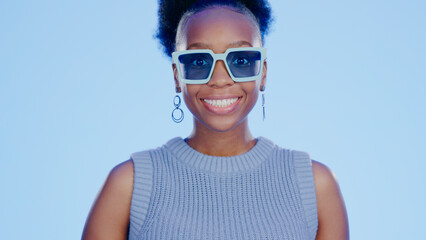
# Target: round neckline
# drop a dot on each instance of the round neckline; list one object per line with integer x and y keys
{"x": 186, "y": 141}
{"x": 220, "y": 164}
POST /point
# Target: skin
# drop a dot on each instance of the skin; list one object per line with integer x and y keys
{"x": 220, "y": 134}
{"x": 214, "y": 134}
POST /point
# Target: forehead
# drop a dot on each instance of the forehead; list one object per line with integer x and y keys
{"x": 218, "y": 26}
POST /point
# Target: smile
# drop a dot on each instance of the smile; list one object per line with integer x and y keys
{"x": 221, "y": 103}
{"x": 221, "y": 106}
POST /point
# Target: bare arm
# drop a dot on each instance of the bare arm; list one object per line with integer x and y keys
{"x": 332, "y": 217}
{"x": 109, "y": 216}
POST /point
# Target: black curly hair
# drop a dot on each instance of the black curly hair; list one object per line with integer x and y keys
{"x": 170, "y": 13}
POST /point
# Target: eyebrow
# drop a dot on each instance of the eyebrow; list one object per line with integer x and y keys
{"x": 240, "y": 43}
{"x": 198, "y": 45}
{"x": 207, "y": 46}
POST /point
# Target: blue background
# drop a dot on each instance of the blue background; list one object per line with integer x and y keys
{"x": 83, "y": 84}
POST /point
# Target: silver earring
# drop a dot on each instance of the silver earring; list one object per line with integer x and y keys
{"x": 177, "y": 111}
{"x": 263, "y": 101}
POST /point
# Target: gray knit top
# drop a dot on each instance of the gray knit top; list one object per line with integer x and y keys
{"x": 180, "y": 193}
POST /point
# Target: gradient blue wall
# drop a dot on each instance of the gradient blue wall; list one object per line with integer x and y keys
{"x": 83, "y": 84}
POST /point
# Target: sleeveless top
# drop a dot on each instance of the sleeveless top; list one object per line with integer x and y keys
{"x": 180, "y": 193}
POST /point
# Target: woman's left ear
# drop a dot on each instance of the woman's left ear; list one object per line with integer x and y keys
{"x": 263, "y": 79}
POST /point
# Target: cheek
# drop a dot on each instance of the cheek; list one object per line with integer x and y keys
{"x": 253, "y": 98}
{"x": 252, "y": 88}
{"x": 253, "y": 93}
{"x": 190, "y": 92}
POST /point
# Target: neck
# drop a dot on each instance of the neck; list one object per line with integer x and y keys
{"x": 229, "y": 143}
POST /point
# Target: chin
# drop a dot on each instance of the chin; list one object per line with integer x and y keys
{"x": 222, "y": 126}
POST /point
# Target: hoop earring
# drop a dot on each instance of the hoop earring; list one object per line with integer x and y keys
{"x": 176, "y": 102}
{"x": 263, "y": 101}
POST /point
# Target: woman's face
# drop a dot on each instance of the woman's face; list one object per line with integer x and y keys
{"x": 221, "y": 104}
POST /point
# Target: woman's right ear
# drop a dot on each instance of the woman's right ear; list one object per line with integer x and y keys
{"x": 176, "y": 77}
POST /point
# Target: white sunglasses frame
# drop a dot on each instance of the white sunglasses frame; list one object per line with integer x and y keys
{"x": 216, "y": 57}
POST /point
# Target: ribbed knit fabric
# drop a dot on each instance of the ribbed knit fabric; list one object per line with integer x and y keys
{"x": 266, "y": 193}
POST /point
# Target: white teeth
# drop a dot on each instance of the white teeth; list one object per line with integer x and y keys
{"x": 221, "y": 102}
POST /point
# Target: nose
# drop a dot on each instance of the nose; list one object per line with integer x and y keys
{"x": 220, "y": 76}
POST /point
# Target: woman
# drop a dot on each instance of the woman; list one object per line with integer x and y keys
{"x": 220, "y": 182}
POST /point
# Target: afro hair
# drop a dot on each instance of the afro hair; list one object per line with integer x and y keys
{"x": 170, "y": 13}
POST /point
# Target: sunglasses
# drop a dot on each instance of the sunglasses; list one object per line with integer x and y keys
{"x": 196, "y": 66}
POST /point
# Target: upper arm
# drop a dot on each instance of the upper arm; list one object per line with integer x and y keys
{"x": 332, "y": 217}
{"x": 109, "y": 216}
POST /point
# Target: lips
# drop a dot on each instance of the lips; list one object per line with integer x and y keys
{"x": 221, "y": 102}
{"x": 221, "y": 105}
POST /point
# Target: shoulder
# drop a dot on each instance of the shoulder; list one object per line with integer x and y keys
{"x": 332, "y": 216}
{"x": 121, "y": 176}
{"x": 119, "y": 183}
{"x": 326, "y": 185}
{"x": 110, "y": 213}
{"x": 323, "y": 176}
{"x": 122, "y": 170}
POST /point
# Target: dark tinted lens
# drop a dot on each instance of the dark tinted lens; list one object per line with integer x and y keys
{"x": 196, "y": 66}
{"x": 244, "y": 63}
